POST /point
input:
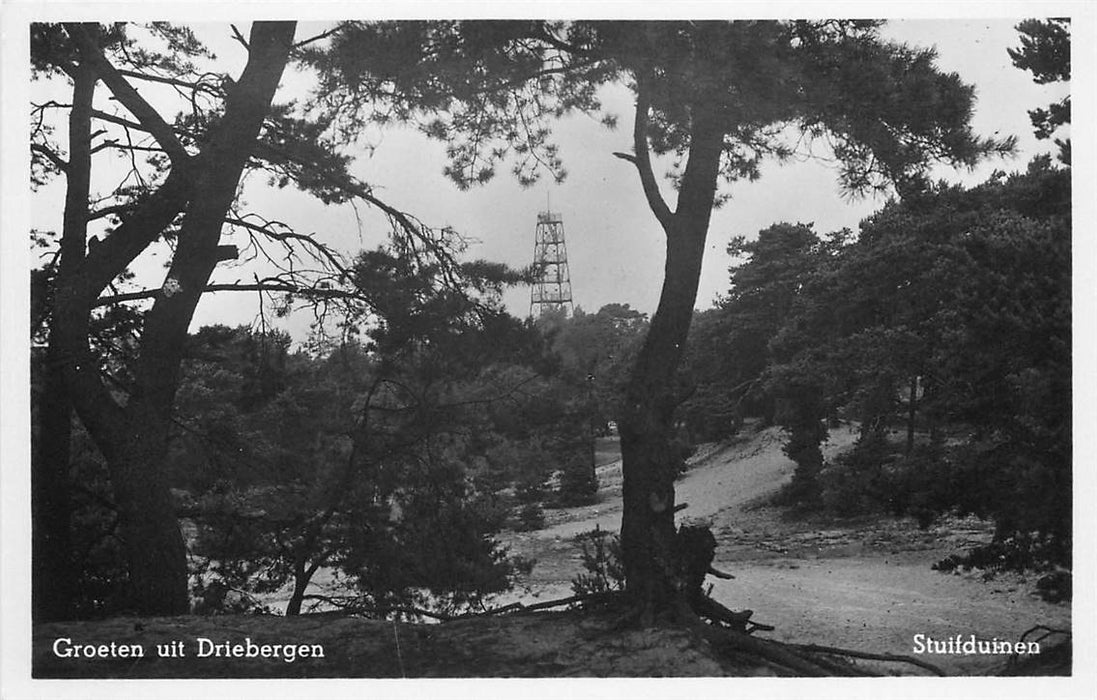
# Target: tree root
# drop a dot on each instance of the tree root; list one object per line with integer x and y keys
{"x": 727, "y": 631}
{"x": 772, "y": 653}
{"x": 738, "y": 627}
{"x": 853, "y": 653}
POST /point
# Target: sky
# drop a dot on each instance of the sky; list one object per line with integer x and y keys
{"x": 614, "y": 245}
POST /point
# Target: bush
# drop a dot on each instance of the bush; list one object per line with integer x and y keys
{"x": 578, "y": 483}
{"x": 529, "y": 517}
{"x": 602, "y": 562}
{"x": 859, "y": 481}
{"x": 530, "y": 491}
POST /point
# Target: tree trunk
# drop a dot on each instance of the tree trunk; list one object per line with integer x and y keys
{"x": 293, "y": 607}
{"x": 301, "y": 578}
{"x": 650, "y": 464}
{"x": 647, "y": 429}
{"x": 134, "y": 438}
{"x": 155, "y": 551}
{"x": 160, "y": 577}
{"x": 52, "y": 573}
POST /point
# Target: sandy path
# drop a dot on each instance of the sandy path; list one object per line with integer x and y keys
{"x": 874, "y": 605}
{"x": 867, "y": 587}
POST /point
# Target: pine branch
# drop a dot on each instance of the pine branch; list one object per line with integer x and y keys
{"x": 642, "y": 158}
{"x": 145, "y": 113}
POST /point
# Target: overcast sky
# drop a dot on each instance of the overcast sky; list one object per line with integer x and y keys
{"x": 615, "y": 247}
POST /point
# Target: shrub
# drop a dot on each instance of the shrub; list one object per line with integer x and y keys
{"x": 578, "y": 483}
{"x": 529, "y": 517}
{"x": 602, "y": 561}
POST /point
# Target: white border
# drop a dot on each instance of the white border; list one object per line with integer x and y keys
{"x": 15, "y": 682}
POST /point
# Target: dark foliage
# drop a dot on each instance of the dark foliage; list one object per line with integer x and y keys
{"x": 601, "y": 554}
{"x": 948, "y": 317}
{"x": 1045, "y": 52}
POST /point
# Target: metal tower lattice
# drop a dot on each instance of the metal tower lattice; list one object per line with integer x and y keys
{"x": 552, "y": 289}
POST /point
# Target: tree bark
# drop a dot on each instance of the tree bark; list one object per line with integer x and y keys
{"x": 300, "y": 584}
{"x": 52, "y": 574}
{"x": 134, "y": 438}
{"x": 650, "y": 463}
{"x": 302, "y": 576}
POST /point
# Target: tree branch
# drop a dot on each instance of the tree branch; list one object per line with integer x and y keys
{"x": 287, "y": 234}
{"x": 417, "y": 238}
{"x": 121, "y": 121}
{"x": 239, "y": 37}
{"x": 263, "y": 286}
{"x": 111, "y": 143}
{"x": 321, "y": 36}
{"x": 642, "y": 159}
{"x": 50, "y": 154}
{"x": 145, "y": 113}
{"x": 109, "y": 211}
{"x": 852, "y": 653}
{"x": 69, "y": 340}
{"x": 142, "y": 227}
{"x": 196, "y": 85}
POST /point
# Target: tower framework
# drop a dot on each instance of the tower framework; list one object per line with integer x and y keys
{"x": 552, "y": 288}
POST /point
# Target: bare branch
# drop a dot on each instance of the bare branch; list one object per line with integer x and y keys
{"x": 120, "y": 121}
{"x": 51, "y": 155}
{"x": 321, "y": 36}
{"x": 197, "y": 85}
{"x": 283, "y": 233}
{"x": 853, "y": 653}
{"x": 239, "y": 37}
{"x": 109, "y": 211}
{"x": 263, "y": 286}
{"x": 417, "y": 238}
{"x": 145, "y": 113}
{"x": 128, "y": 147}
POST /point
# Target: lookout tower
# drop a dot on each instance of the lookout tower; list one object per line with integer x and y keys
{"x": 552, "y": 288}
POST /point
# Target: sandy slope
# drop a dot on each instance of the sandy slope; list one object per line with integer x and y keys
{"x": 866, "y": 585}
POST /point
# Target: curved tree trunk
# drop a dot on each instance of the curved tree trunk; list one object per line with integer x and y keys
{"x": 648, "y": 535}
{"x": 650, "y": 462}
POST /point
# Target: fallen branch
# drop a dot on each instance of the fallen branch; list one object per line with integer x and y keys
{"x": 772, "y": 652}
{"x": 513, "y": 608}
{"x": 1047, "y": 632}
{"x": 852, "y": 653}
{"x": 564, "y": 601}
{"x": 350, "y": 609}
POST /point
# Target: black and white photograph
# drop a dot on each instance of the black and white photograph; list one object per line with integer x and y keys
{"x": 400, "y": 350}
